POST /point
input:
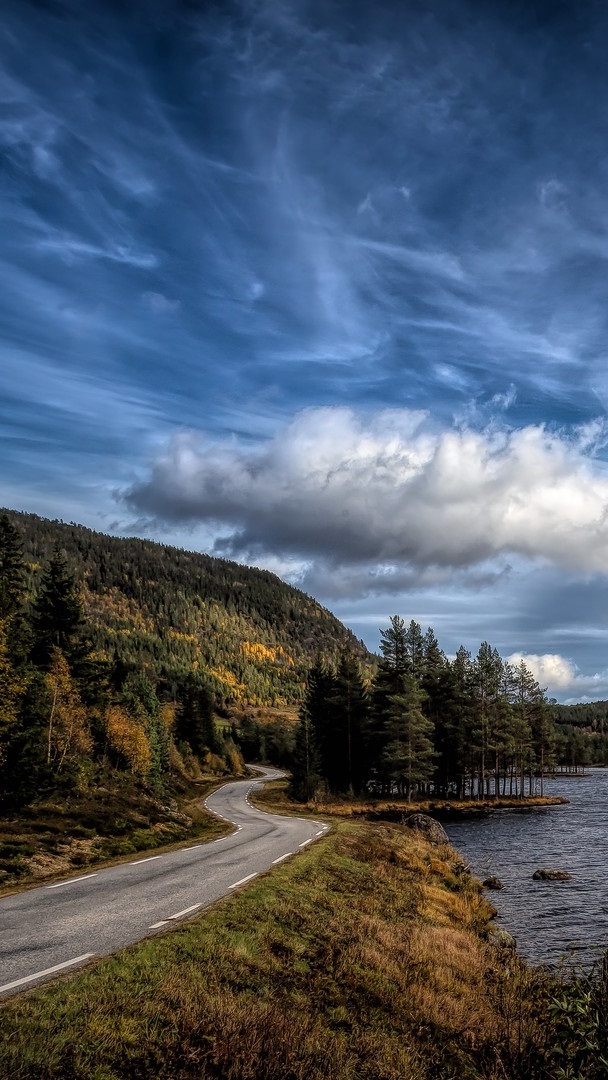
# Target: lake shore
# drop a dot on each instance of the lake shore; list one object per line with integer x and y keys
{"x": 274, "y": 797}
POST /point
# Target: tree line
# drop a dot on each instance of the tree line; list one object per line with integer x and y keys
{"x": 67, "y": 710}
{"x": 470, "y": 726}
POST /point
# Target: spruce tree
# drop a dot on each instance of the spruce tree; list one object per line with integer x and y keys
{"x": 389, "y": 681}
{"x": 321, "y": 684}
{"x": 344, "y": 745}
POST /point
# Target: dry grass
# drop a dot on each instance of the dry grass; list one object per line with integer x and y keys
{"x": 359, "y": 960}
{"x": 274, "y": 796}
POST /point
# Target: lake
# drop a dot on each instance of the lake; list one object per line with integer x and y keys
{"x": 547, "y": 918}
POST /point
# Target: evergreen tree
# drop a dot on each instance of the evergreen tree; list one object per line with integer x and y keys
{"x": 487, "y": 681}
{"x": 194, "y": 722}
{"x": 409, "y": 749}
{"x": 12, "y": 569}
{"x": 57, "y": 620}
{"x": 389, "y": 680}
{"x": 305, "y": 771}
{"x": 528, "y": 702}
{"x": 544, "y": 737}
{"x": 345, "y": 765}
{"x": 320, "y": 687}
{"x": 459, "y": 737}
{"x": 415, "y": 650}
{"x": 25, "y": 772}
{"x": 394, "y": 646}
{"x": 13, "y": 684}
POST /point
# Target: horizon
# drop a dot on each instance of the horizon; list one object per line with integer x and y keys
{"x": 321, "y": 289}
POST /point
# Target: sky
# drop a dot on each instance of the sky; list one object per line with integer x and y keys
{"x": 321, "y": 287}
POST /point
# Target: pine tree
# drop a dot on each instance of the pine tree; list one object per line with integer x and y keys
{"x": 487, "y": 680}
{"x": 460, "y": 734}
{"x": 394, "y": 646}
{"x": 409, "y": 751}
{"x": 528, "y": 700}
{"x": 57, "y": 620}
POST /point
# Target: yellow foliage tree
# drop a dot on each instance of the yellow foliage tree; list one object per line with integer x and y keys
{"x": 127, "y": 737}
{"x": 68, "y": 734}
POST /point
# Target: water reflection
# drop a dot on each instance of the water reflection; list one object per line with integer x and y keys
{"x": 548, "y": 918}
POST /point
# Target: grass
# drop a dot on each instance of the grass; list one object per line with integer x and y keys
{"x": 273, "y": 796}
{"x": 364, "y": 958}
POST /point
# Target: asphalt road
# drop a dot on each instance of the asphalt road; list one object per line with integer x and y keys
{"x": 60, "y": 926}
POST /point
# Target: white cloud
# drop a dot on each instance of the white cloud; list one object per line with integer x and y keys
{"x": 160, "y": 303}
{"x": 563, "y": 678}
{"x": 388, "y": 489}
{"x": 71, "y": 249}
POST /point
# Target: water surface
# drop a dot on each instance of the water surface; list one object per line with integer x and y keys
{"x": 547, "y": 918}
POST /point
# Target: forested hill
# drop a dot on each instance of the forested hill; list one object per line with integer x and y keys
{"x": 165, "y": 611}
{"x": 585, "y": 728}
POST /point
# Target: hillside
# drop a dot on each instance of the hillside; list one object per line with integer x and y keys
{"x": 584, "y": 732}
{"x": 164, "y": 610}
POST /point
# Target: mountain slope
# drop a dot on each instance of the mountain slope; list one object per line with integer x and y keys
{"x": 166, "y": 610}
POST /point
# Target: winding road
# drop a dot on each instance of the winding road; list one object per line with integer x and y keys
{"x": 57, "y": 927}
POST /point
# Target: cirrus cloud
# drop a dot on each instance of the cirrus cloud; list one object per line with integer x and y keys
{"x": 389, "y": 489}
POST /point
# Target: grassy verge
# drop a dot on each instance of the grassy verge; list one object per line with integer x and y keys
{"x": 362, "y": 959}
{"x": 112, "y": 821}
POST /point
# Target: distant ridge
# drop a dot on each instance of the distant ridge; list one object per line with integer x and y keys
{"x": 165, "y": 610}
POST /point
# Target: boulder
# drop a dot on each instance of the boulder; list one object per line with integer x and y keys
{"x": 502, "y": 939}
{"x": 551, "y": 875}
{"x": 492, "y": 882}
{"x": 431, "y": 829}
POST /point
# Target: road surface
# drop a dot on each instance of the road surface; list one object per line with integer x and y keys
{"x": 60, "y": 926}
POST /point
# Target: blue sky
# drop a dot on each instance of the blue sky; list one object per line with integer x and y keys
{"x": 321, "y": 287}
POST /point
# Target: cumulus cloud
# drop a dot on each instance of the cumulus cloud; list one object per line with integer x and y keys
{"x": 562, "y": 677}
{"x": 390, "y": 490}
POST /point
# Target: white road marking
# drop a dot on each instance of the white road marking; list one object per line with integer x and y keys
{"x": 186, "y": 911}
{"x": 281, "y": 857}
{"x": 307, "y": 842}
{"x": 150, "y": 858}
{"x": 72, "y": 881}
{"x": 47, "y": 971}
{"x": 243, "y": 880}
